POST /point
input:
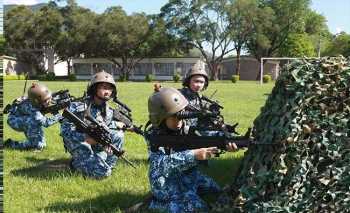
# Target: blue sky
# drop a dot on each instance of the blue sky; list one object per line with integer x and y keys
{"x": 337, "y": 12}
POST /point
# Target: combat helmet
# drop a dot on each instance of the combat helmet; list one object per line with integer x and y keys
{"x": 196, "y": 69}
{"x": 38, "y": 94}
{"x": 101, "y": 77}
{"x": 164, "y": 104}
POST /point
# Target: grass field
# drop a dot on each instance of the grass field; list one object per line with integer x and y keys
{"x": 42, "y": 182}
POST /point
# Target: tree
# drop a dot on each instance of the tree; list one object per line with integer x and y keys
{"x": 30, "y": 34}
{"x": 340, "y": 45}
{"x": 276, "y": 21}
{"x": 121, "y": 36}
{"x": 242, "y": 16}
{"x": 203, "y": 25}
{"x": 74, "y": 40}
{"x": 297, "y": 45}
{"x": 131, "y": 38}
{"x": 2, "y": 45}
{"x": 317, "y": 30}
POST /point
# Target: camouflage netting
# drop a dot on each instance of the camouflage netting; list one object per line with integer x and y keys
{"x": 303, "y": 161}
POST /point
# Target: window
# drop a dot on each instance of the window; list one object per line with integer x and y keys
{"x": 82, "y": 69}
{"x": 186, "y": 67}
{"x": 164, "y": 69}
{"x": 142, "y": 69}
{"x": 98, "y": 67}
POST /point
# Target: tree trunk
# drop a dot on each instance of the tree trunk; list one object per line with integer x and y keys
{"x": 238, "y": 61}
{"x": 213, "y": 70}
{"x": 69, "y": 68}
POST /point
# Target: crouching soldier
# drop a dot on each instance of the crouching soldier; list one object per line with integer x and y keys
{"x": 89, "y": 157}
{"x": 25, "y": 116}
{"x": 175, "y": 180}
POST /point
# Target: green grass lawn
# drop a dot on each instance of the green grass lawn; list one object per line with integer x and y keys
{"x": 42, "y": 182}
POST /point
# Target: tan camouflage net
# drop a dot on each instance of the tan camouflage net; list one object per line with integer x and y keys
{"x": 303, "y": 162}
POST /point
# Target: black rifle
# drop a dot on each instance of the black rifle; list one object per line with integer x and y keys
{"x": 211, "y": 105}
{"x": 59, "y": 101}
{"x": 207, "y": 119}
{"x": 123, "y": 114}
{"x": 99, "y": 132}
{"x": 192, "y": 141}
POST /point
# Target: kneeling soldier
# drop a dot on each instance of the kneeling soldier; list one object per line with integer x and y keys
{"x": 89, "y": 157}
{"x": 25, "y": 116}
{"x": 174, "y": 177}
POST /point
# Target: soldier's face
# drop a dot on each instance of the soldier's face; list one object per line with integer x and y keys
{"x": 104, "y": 91}
{"x": 197, "y": 83}
{"x": 46, "y": 102}
{"x": 173, "y": 123}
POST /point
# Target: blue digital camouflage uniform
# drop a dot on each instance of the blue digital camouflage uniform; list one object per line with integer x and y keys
{"x": 92, "y": 161}
{"x": 24, "y": 117}
{"x": 176, "y": 182}
{"x": 193, "y": 99}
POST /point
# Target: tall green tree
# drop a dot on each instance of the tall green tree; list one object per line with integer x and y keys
{"x": 30, "y": 34}
{"x": 131, "y": 38}
{"x": 242, "y": 16}
{"x": 2, "y": 44}
{"x": 121, "y": 36}
{"x": 74, "y": 37}
{"x": 297, "y": 45}
{"x": 340, "y": 45}
{"x": 201, "y": 24}
{"x": 277, "y": 20}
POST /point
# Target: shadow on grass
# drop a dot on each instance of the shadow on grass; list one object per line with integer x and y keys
{"x": 107, "y": 203}
{"x": 222, "y": 170}
{"x": 136, "y": 161}
{"x": 45, "y": 169}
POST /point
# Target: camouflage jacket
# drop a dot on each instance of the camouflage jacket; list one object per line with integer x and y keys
{"x": 101, "y": 113}
{"x": 26, "y": 108}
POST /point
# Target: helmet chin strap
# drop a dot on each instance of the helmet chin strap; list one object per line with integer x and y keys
{"x": 103, "y": 98}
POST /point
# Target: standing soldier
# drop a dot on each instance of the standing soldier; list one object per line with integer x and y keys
{"x": 89, "y": 157}
{"x": 25, "y": 116}
{"x": 174, "y": 177}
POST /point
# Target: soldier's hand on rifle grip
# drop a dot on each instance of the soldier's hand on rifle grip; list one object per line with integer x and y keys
{"x": 109, "y": 150}
{"x": 120, "y": 125}
{"x": 205, "y": 153}
{"x": 90, "y": 140}
{"x": 231, "y": 147}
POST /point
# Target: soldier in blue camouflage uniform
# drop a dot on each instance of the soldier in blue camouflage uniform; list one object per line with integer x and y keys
{"x": 175, "y": 180}
{"x": 88, "y": 157}
{"x": 25, "y": 116}
{"x": 196, "y": 81}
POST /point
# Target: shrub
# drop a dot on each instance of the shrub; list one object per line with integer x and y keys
{"x": 149, "y": 78}
{"x": 72, "y": 77}
{"x": 176, "y": 77}
{"x": 266, "y": 78}
{"x": 235, "y": 78}
{"x": 122, "y": 78}
{"x": 50, "y": 76}
{"x": 41, "y": 77}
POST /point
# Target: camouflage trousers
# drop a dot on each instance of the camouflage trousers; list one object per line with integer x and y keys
{"x": 93, "y": 161}
{"x": 185, "y": 196}
{"x": 33, "y": 132}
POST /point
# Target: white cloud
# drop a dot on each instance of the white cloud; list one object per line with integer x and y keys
{"x": 25, "y": 2}
{"x": 338, "y": 29}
